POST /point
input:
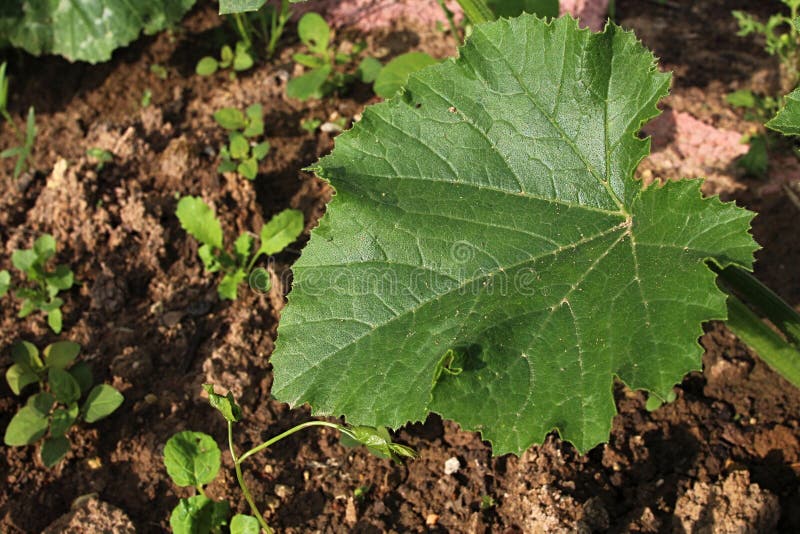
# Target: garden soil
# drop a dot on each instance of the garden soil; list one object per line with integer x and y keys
{"x": 724, "y": 457}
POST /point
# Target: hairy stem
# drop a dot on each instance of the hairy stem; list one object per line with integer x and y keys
{"x": 241, "y": 29}
{"x": 245, "y": 490}
{"x": 749, "y": 288}
{"x": 450, "y": 20}
{"x": 477, "y": 11}
{"x": 772, "y": 349}
{"x": 288, "y": 433}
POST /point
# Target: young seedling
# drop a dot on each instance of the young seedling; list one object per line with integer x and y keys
{"x": 240, "y": 154}
{"x": 782, "y": 38}
{"x": 264, "y": 24}
{"x": 200, "y": 221}
{"x": 239, "y": 58}
{"x": 159, "y": 70}
{"x": 101, "y": 156}
{"x": 311, "y": 124}
{"x": 192, "y": 459}
{"x": 42, "y": 292}
{"x": 330, "y": 69}
{"x": 51, "y": 412}
{"x": 28, "y": 139}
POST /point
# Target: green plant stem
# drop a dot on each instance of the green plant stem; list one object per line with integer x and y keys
{"x": 477, "y": 11}
{"x": 288, "y": 433}
{"x": 237, "y": 462}
{"x": 242, "y": 29}
{"x": 772, "y": 349}
{"x": 10, "y": 121}
{"x": 450, "y": 20}
{"x": 276, "y": 28}
{"x": 245, "y": 490}
{"x": 783, "y": 316}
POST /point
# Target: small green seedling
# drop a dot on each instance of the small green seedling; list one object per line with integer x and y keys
{"x": 28, "y": 139}
{"x": 487, "y": 502}
{"x": 192, "y": 459}
{"x": 758, "y": 108}
{"x": 147, "y": 98}
{"x": 46, "y": 284}
{"x": 51, "y": 412}
{"x": 782, "y": 38}
{"x": 200, "y": 221}
{"x": 239, "y": 58}
{"x": 101, "y": 156}
{"x": 254, "y": 21}
{"x": 159, "y": 70}
{"x": 240, "y": 155}
{"x": 330, "y": 69}
{"x": 310, "y": 125}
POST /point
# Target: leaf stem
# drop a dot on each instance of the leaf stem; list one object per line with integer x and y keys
{"x": 773, "y": 350}
{"x": 747, "y": 286}
{"x": 477, "y": 11}
{"x": 288, "y": 433}
{"x": 242, "y": 484}
{"x": 242, "y": 30}
{"x": 450, "y": 20}
{"x": 237, "y": 462}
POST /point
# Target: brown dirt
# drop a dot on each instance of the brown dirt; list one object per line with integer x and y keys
{"x": 150, "y": 323}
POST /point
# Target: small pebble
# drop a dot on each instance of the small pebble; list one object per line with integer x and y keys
{"x": 451, "y": 466}
{"x": 431, "y": 520}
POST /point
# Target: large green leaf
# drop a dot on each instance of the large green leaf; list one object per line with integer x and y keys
{"x": 491, "y": 209}
{"x": 84, "y": 30}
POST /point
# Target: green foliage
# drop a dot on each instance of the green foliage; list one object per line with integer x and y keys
{"x": 253, "y": 22}
{"x": 192, "y": 458}
{"x": 27, "y": 140}
{"x": 160, "y": 71}
{"x": 513, "y": 8}
{"x": 41, "y": 291}
{"x": 55, "y": 408}
{"x": 756, "y": 161}
{"x": 395, "y": 74}
{"x": 781, "y": 35}
{"x": 84, "y": 30}
{"x": 239, "y": 155}
{"x": 238, "y": 58}
{"x": 491, "y": 211}
{"x": 189, "y": 453}
{"x": 310, "y": 125}
{"x": 200, "y": 221}
{"x": 377, "y": 441}
{"x": 787, "y": 120}
{"x": 329, "y": 69}
{"x": 101, "y": 156}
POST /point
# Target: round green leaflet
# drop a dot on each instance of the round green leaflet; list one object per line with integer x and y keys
{"x": 491, "y": 210}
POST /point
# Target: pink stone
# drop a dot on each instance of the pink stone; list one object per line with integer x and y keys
{"x": 367, "y": 15}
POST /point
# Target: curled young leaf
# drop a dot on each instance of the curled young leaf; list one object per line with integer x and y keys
{"x": 226, "y": 405}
